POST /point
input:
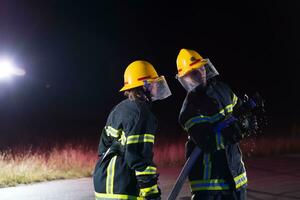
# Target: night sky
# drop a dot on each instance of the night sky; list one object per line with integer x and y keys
{"x": 75, "y": 54}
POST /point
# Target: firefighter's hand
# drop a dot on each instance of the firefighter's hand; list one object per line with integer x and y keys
{"x": 206, "y": 142}
{"x": 153, "y": 195}
{"x": 233, "y": 133}
{"x": 148, "y": 186}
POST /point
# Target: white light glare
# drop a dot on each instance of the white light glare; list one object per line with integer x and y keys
{"x": 7, "y": 69}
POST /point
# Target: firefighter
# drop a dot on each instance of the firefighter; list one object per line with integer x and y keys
{"x": 125, "y": 169}
{"x": 207, "y": 116}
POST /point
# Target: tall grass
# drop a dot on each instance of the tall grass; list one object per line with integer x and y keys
{"x": 270, "y": 146}
{"x": 34, "y": 166}
{"x": 172, "y": 153}
{"x": 25, "y": 165}
{"x": 169, "y": 153}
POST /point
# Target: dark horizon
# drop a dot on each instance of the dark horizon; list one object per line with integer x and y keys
{"x": 75, "y": 55}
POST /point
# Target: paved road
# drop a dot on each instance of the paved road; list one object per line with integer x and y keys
{"x": 269, "y": 179}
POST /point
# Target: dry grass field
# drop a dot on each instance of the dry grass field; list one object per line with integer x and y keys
{"x": 24, "y": 165}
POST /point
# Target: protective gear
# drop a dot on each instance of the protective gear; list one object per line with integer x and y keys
{"x": 197, "y": 77}
{"x": 193, "y": 70}
{"x": 136, "y": 73}
{"x": 126, "y": 169}
{"x": 188, "y": 60}
{"x": 158, "y": 88}
{"x": 219, "y": 169}
{"x": 142, "y": 73}
{"x": 229, "y": 195}
{"x": 193, "y": 79}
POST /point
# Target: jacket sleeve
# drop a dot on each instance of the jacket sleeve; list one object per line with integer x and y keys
{"x": 198, "y": 127}
{"x": 140, "y": 135}
{"x": 201, "y": 134}
{"x": 104, "y": 144}
{"x": 233, "y": 133}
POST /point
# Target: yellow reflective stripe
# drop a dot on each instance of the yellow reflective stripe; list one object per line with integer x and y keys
{"x": 148, "y": 191}
{"x": 110, "y": 131}
{"x": 212, "y": 184}
{"x": 122, "y": 138}
{"x": 101, "y": 196}
{"x": 148, "y": 171}
{"x": 229, "y": 108}
{"x": 207, "y": 166}
{"x": 201, "y": 119}
{"x": 133, "y": 139}
{"x": 110, "y": 175}
{"x": 234, "y": 100}
{"x": 240, "y": 180}
{"x": 207, "y": 181}
{"x": 211, "y": 119}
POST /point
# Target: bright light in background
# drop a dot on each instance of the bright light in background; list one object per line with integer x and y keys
{"x": 8, "y": 69}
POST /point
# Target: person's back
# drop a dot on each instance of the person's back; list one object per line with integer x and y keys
{"x": 123, "y": 148}
{"x": 126, "y": 169}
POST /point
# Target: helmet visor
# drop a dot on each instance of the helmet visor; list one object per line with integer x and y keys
{"x": 198, "y": 76}
{"x": 158, "y": 88}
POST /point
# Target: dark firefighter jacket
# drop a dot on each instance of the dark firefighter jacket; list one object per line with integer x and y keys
{"x": 220, "y": 166}
{"x": 125, "y": 169}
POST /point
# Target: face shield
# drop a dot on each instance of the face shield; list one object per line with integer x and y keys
{"x": 158, "y": 88}
{"x": 198, "y": 76}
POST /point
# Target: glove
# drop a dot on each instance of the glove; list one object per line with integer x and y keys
{"x": 233, "y": 133}
{"x": 204, "y": 138}
{"x": 154, "y": 197}
{"x": 148, "y": 181}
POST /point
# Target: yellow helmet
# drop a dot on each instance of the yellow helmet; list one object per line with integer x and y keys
{"x": 136, "y": 73}
{"x": 188, "y": 60}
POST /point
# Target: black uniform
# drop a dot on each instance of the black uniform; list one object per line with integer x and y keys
{"x": 125, "y": 169}
{"x": 219, "y": 173}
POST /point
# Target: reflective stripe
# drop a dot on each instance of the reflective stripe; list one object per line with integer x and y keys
{"x": 219, "y": 140}
{"x": 148, "y": 171}
{"x": 240, "y": 180}
{"x": 123, "y": 138}
{"x": 211, "y": 119}
{"x": 110, "y": 175}
{"x": 234, "y": 100}
{"x": 218, "y": 128}
{"x": 228, "y": 109}
{"x": 202, "y": 119}
{"x": 132, "y": 139}
{"x": 104, "y": 196}
{"x": 110, "y": 131}
{"x": 212, "y": 184}
{"x": 148, "y": 191}
{"x": 207, "y": 166}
